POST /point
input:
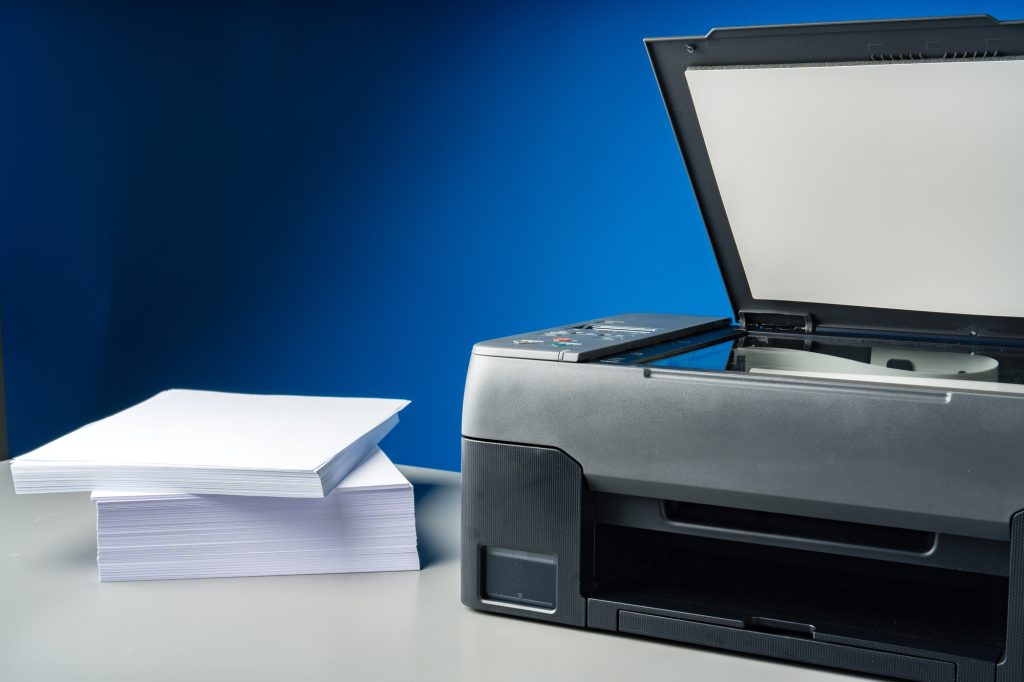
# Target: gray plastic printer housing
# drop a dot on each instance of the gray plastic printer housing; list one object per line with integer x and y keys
{"x": 867, "y": 526}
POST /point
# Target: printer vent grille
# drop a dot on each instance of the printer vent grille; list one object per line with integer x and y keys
{"x": 946, "y": 54}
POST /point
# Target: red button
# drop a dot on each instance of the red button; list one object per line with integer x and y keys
{"x": 563, "y": 338}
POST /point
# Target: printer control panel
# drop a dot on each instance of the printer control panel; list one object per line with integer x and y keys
{"x": 595, "y": 339}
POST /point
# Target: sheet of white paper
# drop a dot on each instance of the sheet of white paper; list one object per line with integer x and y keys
{"x": 376, "y": 472}
{"x": 210, "y": 442}
{"x": 927, "y": 364}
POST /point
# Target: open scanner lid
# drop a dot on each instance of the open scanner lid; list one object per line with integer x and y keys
{"x": 863, "y": 176}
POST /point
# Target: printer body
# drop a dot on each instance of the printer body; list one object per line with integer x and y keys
{"x": 835, "y": 474}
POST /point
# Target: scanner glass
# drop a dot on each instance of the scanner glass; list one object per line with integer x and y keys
{"x": 928, "y": 364}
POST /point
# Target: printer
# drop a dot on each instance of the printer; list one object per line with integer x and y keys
{"x": 835, "y": 474}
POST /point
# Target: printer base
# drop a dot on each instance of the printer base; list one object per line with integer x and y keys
{"x": 534, "y": 547}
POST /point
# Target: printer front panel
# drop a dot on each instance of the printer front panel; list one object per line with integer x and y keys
{"x": 523, "y": 524}
{"x": 537, "y": 543}
{"x": 930, "y": 459}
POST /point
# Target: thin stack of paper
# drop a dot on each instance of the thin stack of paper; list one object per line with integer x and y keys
{"x": 206, "y": 442}
{"x": 365, "y": 524}
{"x": 192, "y": 484}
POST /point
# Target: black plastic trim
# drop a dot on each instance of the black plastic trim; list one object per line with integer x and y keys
{"x": 802, "y": 527}
{"x": 941, "y": 38}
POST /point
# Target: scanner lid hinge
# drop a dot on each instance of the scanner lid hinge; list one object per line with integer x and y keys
{"x": 775, "y": 321}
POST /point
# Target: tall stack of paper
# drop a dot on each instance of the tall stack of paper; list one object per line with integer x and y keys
{"x": 365, "y": 524}
{"x": 193, "y": 484}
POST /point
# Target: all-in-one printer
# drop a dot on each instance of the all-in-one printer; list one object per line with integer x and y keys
{"x": 837, "y": 476}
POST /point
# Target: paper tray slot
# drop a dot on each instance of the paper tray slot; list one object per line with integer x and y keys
{"x": 787, "y": 647}
{"x": 799, "y": 527}
{"x": 937, "y": 550}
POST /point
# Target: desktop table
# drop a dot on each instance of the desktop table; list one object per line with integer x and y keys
{"x": 57, "y": 622}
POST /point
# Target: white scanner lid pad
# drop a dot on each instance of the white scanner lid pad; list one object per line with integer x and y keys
{"x": 860, "y": 185}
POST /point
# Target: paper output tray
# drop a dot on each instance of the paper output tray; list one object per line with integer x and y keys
{"x": 813, "y": 606}
{"x": 734, "y": 635}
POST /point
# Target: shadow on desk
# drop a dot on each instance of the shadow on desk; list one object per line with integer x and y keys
{"x": 436, "y": 501}
{"x": 76, "y": 552}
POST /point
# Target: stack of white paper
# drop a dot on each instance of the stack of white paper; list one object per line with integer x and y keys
{"x": 192, "y": 484}
{"x": 365, "y": 524}
{"x": 206, "y": 442}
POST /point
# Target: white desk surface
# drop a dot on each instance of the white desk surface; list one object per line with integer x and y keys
{"x": 57, "y": 622}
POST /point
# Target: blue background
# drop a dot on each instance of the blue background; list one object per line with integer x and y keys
{"x": 336, "y": 198}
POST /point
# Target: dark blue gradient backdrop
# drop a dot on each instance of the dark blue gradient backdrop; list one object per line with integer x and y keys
{"x": 336, "y": 198}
